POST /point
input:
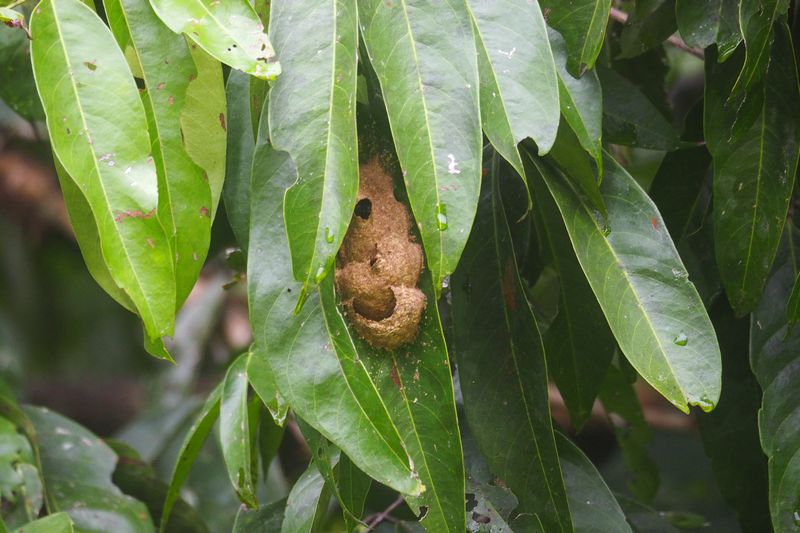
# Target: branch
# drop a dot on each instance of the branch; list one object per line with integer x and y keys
{"x": 673, "y": 40}
{"x": 383, "y": 515}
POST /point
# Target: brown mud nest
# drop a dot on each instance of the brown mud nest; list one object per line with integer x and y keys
{"x": 379, "y": 264}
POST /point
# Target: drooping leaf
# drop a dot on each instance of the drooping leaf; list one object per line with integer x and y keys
{"x": 649, "y": 25}
{"x": 312, "y": 116}
{"x": 77, "y": 468}
{"x": 353, "y": 488}
{"x": 184, "y": 198}
{"x": 415, "y": 382}
{"x": 203, "y": 122}
{"x": 192, "y": 444}
{"x": 755, "y": 21}
{"x": 307, "y": 503}
{"x": 234, "y": 430}
{"x": 266, "y": 519}
{"x": 300, "y": 350}
{"x": 502, "y": 368}
{"x": 581, "y": 100}
{"x": 753, "y": 173}
{"x": 577, "y": 166}
{"x": 702, "y": 24}
{"x": 103, "y": 145}
{"x": 631, "y": 431}
{"x": 425, "y": 59}
{"x": 230, "y": 31}
{"x": 239, "y": 160}
{"x": 630, "y": 119}
{"x": 583, "y": 25}
{"x": 641, "y": 284}
{"x": 263, "y": 382}
{"x": 54, "y": 523}
{"x": 730, "y": 432}
{"x": 774, "y": 360}
{"x": 579, "y": 344}
{"x": 591, "y": 503}
{"x": 519, "y": 85}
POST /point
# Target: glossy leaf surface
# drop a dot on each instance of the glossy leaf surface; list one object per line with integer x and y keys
{"x": 583, "y": 25}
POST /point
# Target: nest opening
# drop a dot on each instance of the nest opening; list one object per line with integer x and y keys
{"x": 363, "y": 208}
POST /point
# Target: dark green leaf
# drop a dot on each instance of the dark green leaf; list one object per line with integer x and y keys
{"x": 167, "y": 67}
{"x": 425, "y": 59}
{"x": 629, "y": 118}
{"x": 730, "y": 432}
{"x": 519, "y": 86}
{"x": 641, "y": 284}
{"x": 312, "y": 116}
{"x": 502, "y": 369}
{"x": 579, "y": 344}
{"x": 77, "y": 469}
{"x": 353, "y": 488}
{"x": 230, "y": 31}
{"x": 591, "y": 502}
{"x": 103, "y": 144}
{"x": 651, "y": 23}
{"x": 266, "y": 519}
{"x": 192, "y": 444}
{"x": 487, "y": 501}
{"x": 702, "y": 24}
{"x": 755, "y": 20}
{"x": 583, "y": 25}
{"x": 15, "y": 64}
{"x": 299, "y": 348}
{"x": 754, "y": 173}
{"x": 632, "y": 433}
{"x": 241, "y": 145}
{"x": 263, "y": 382}
{"x": 234, "y": 430}
{"x": 774, "y": 360}
{"x": 793, "y": 309}
{"x": 307, "y": 503}
{"x": 576, "y": 165}
{"x": 581, "y": 100}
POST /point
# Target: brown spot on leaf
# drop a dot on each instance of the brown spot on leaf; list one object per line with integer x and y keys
{"x": 134, "y": 213}
{"x": 396, "y": 377}
{"x": 151, "y": 243}
{"x": 160, "y": 86}
{"x": 222, "y": 121}
{"x": 204, "y": 212}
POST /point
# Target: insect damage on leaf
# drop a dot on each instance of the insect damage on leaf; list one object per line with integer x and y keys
{"x": 379, "y": 264}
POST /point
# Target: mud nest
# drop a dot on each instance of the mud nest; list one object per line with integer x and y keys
{"x": 379, "y": 264}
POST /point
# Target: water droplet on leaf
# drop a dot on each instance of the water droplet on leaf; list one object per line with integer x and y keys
{"x": 681, "y": 339}
{"x": 441, "y": 216}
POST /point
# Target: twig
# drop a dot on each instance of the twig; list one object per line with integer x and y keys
{"x": 673, "y": 40}
{"x": 383, "y": 515}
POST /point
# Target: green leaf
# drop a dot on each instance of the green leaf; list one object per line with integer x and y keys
{"x": 103, "y": 144}
{"x": 307, "y": 503}
{"x": 641, "y": 284}
{"x": 774, "y": 360}
{"x": 581, "y": 101}
{"x": 203, "y": 122}
{"x": 579, "y": 344}
{"x": 11, "y": 18}
{"x": 632, "y": 433}
{"x": 262, "y": 380}
{"x": 630, "y": 119}
{"x": 755, "y": 20}
{"x": 502, "y": 369}
{"x": 353, "y": 488}
{"x": 425, "y": 59}
{"x": 234, "y": 430}
{"x": 591, "y": 503}
{"x": 299, "y": 348}
{"x": 192, "y": 444}
{"x": 486, "y": 500}
{"x": 77, "y": 468}
{"x": 230, "y": 31}
{"x": 15, "y": 64}
{"x": 55, "y": 523}
{"x": 184, "y": 200}
{"x": 682, "y": 191}
{"x": 793, "y": 309}
{"x": 415, "y": 383}
{"x": 518, "y": 82}
{"x": 266, "y": 519}
{"x": 649, "y": 25}
{"x": 583, "y": 25}
{"x": 241, "y": 146}
{"x": 312, "y": 116}
{"x": 740, "y": 469}
{"x": 698, "y": 22}
{"x": 753, "y": 174}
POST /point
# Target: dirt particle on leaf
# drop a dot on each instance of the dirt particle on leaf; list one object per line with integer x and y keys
{"x": 160, "y": 86}
{"x": 151, "y": 243}
{"x": 222, "y": 121}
